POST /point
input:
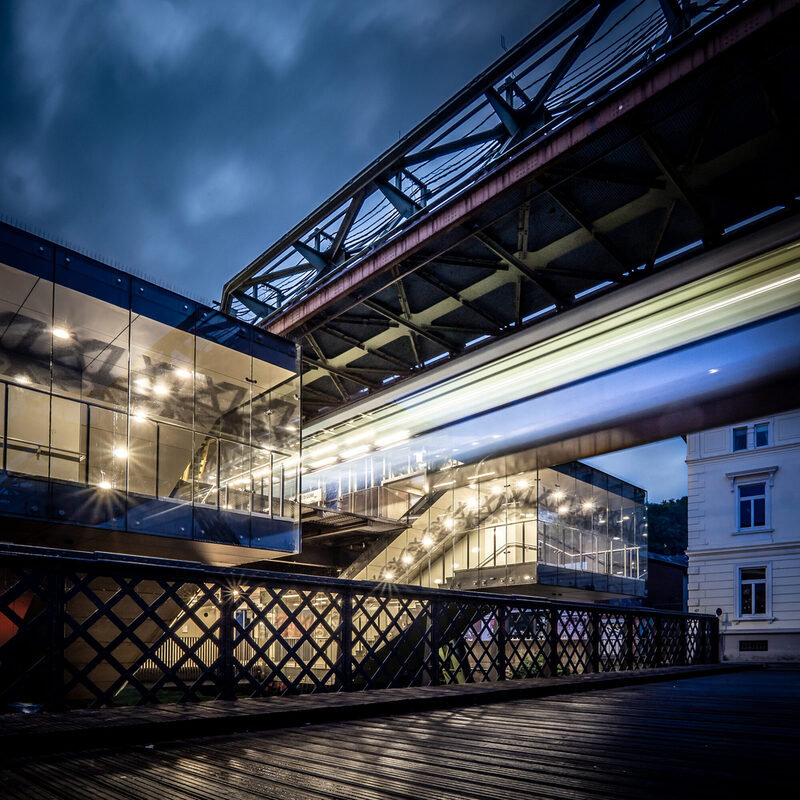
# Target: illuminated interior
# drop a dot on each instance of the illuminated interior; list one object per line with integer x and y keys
{"x": 477, "y": 528}
{"x": 126, "y": 407}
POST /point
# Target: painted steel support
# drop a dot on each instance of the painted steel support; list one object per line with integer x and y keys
{"x": 522, "y": 164}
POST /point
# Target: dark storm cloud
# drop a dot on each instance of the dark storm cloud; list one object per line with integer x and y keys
{"x": 182, "y": 138}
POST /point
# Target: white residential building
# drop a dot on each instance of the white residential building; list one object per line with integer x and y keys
{"x": 744, "y": 534}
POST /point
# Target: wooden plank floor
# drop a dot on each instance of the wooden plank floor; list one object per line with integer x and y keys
{"x": 730, "y": 736}
{"x": 48, "y": 732}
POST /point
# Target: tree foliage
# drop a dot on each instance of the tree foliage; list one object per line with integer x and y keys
{"x": 667, "y": 525}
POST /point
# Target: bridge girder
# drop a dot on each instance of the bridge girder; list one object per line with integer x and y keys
{"x": 672, "y": 161}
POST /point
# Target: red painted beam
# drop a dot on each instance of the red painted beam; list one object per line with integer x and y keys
{"x": 536, "y": 156}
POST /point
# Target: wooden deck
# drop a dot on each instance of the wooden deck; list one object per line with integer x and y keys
{"x": 727, "y": 735}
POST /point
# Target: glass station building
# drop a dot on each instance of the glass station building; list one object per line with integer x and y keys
{"x": 130, "y": 414}
{"x": 568, "y": 530}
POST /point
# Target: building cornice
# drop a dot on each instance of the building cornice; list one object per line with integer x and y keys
{"x": 751, "y": 451}
{"x": 749, "y": 549}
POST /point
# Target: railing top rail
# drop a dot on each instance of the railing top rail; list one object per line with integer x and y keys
{"x": 154, "y": 568}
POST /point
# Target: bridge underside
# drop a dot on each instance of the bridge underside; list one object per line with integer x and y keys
{"x": 699, "y": 151}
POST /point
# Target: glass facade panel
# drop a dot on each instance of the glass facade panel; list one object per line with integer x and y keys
{"x": 26, "y": 305}
{"x": 90, "y": 349}
{"x": 142, "y": 450}
{"x": 568, "y": 525}
{"x": 157, "y": 419}
{"x": 235, "y": 475}
{"x": 175, "y": 462}
{"x": 207, "y": 470}
{"x": 68, "y": 440}
{"x": 162, "y": 369}
{"x": 108, "y": 448}
{"x": 28, "y": 433}
{"x": 223, "y": 399}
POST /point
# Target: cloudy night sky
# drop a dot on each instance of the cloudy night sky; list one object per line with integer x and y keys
{"x": 179, "y": 139}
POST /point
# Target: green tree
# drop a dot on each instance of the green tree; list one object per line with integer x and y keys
{"x": 667, "y": 525}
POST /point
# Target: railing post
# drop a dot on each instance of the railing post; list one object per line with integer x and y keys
{"x": 629, "y": 661}
{"x": 595, "y": 641}
{"x": 226, "y": 643}
{"x": 435, "y": 634}
{"x": 345, "y": 677}
{"x": 714, "y": 653}
{"x": 54, "y": 690}
{"x": 554, "y": 642}
{"x": 702, "y": 645}
{"x": 659, "y": 643}
{"x": 684, "y": 642}
{"x": 501, "y": 638}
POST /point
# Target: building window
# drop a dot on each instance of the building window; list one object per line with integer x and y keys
{"x": 753, "y": 591}
{"x": 739, "y": 438}
{"x": 752, "y": 506}
{"x": 761, "y": 434}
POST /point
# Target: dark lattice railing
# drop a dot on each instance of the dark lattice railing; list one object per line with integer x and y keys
{"x": 80, "y": 630}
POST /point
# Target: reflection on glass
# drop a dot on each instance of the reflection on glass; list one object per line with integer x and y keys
{"x": 568, "y": 525}
{"x": 162, "y": 370}
{"x": 90, "y": 349}
{"x": 68, "y": 440}
{"x": 28, "y": 432}
{"x": 108, "y": 448}
{"x": 174, "y": 462}
{"x": 182, "y": 426}
{"x": 26, "y": 313}
{"x": 142, "y": 451}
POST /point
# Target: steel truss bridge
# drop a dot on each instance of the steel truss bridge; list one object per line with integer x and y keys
{"x": 611, "y": 143}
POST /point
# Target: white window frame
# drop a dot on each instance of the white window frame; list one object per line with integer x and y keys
{"x": 752, "y": 528}
{"x": 737, "y": 589}
{"x": 747, "y": 477}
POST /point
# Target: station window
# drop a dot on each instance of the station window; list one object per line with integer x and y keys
{"x": 739, "y": 438}
{"x": 753, "y": 591}
{"x": 752, "y": 506}
{"x": 761, "y": 434}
